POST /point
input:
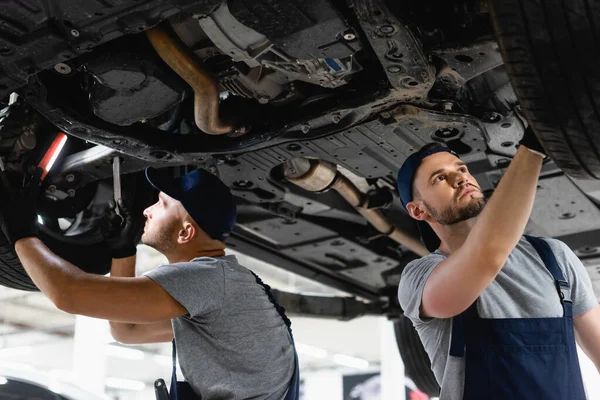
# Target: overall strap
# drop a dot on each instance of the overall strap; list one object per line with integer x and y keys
{"x": 457, "y": 340}
{"x": 293, "y": 392}
{"x": 173, "y": 389}
{"x": 273, "y": 301}
{"x": 562, "y": 286}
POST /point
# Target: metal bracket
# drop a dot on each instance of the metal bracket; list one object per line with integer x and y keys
{"x": 342, "y": 308}
{"x": 399, "y": 52}
{"x": 471, "y": 61}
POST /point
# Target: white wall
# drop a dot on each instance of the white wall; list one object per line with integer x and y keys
{"x": 322, "y": 385}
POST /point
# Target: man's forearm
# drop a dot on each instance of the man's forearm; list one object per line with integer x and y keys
{"x": 50, "y": 273}
{"x": 503, "y": 220}
{"x": 122, "y": 267}
{"x": 130, "y": 333}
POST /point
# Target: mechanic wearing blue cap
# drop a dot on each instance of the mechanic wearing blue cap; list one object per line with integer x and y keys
{"x": 497, "y": 311}
{"x": 234, "y": 340}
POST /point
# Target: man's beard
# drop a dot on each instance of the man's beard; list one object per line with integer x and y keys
{"x": 161, "y": 241}
{"x": 454, "y": 215}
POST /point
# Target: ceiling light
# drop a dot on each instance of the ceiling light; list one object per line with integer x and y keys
{"x": 123, "y": 352}
{"x": 3, "y": 380}
{"x": 126, "y": 384}
{"x": 16, "y": 351}
{"x": 311, "y": 351}
{"x": 349, "y": 361}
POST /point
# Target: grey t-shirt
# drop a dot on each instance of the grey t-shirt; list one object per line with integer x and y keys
{"x": 524, "y": 288}
{"x": 233, "y": 344}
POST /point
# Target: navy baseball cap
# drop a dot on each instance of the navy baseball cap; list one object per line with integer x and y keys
{"x": 406, "y": 177}
{"x": 206, "y": 199}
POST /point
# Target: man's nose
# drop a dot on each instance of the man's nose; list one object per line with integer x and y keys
{"x": 147, "y": 212}
{"x": 460, "y": 179}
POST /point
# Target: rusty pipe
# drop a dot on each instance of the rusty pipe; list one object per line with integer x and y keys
{"x": 320, "y": 176}
{"x": 358, "y": 200}
{"x": 191, "y": 70}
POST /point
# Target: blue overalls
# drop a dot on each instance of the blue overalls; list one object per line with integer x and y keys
{"x": 183, "y": 391}
{"x": 520, "y": 358}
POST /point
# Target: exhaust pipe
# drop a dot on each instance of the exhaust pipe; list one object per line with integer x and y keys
{"x": 320, "y": 176}
{"x": 206, "y": 94}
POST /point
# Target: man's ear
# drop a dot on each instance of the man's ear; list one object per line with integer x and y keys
{"x": 417, "y": 210}
{"x": 187, "y": 233}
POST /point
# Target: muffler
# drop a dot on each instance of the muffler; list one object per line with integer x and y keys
{"x": 320, "y": 176}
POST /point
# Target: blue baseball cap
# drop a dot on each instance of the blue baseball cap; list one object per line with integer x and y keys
{"x": 206, "y": 199}
{"x": 406, "y": 178}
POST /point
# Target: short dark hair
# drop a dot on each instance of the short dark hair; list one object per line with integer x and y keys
{"x": 427, "y": 147}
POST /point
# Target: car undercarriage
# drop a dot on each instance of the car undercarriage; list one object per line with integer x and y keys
{"x": 305, "y": 109}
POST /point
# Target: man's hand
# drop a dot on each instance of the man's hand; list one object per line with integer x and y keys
{"x": 532, "y": 143}
{"x": 18, "y": 215}
{"x": 118, "y": 231}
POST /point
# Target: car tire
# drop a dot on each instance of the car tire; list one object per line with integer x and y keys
{"x": 90, "y": 257}
{"x": 551, "y": 50}
{"x": 416, "y": 361}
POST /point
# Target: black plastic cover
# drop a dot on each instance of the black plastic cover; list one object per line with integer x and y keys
{"x": 126, "y": 88}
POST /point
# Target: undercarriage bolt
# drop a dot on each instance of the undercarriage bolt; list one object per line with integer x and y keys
{"x": 447, "y": 133}
{"x": 448, "y": 106}
{"x": 336, "y": 118}
{"x": 75, "y": 32}
{"x": 52, "y": 188}
{"x": 349, "y": 36}
{"x": 62, "y": 68}
{"x": 386, "y": 115}
{"x": 71, "y": 192}
{"x": 386, "y": 29}
{"x": 491, "y": 117}
{"x": 70, "y": 178}
{"x": 305, "y": 128}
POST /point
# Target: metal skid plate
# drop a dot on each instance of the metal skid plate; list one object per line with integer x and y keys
{"x": 283, "y": 233}
{"x": 562, "y": 211}
{"x": 374, "y": 149}
{"x": 346, "y": 258}
{"x": 304, "y": 29}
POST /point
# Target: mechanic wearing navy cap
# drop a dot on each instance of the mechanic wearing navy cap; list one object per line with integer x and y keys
{"x": 497, "y": 311}
{"x": 233, "y": 339}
